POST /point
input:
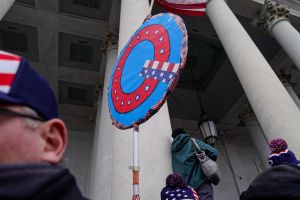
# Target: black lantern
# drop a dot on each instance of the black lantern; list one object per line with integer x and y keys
{"x": 208, "y": 130}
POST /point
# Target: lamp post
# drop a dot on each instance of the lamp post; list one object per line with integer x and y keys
{"x": 206, "y": 125}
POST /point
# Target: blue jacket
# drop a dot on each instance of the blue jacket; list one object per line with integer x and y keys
{"x": 185, "y": 162}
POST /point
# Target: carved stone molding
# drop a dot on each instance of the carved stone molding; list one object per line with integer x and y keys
{"x": 294, "y": 6}
{"x": 246, "y": 113}
{"x": 111, "y": 41}
{"x": 271, "y": 14}
{"x": 284, "y": 75}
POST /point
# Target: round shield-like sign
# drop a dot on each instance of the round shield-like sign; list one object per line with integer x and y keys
{"x": 147, "y": 70}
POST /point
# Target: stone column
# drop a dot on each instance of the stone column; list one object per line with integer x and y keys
{"x": 275, "y": 110}
{"x": 286, "y": 78}
{"x": 5, "y": 6}
{"x": 260, "y": 142}
{"x": 274, "y": 19}
{"x": 291, "y": 91}
{"x": 155, "y": 134}
{"x": 100, "y": 173}
{"x": 100, "y": 183}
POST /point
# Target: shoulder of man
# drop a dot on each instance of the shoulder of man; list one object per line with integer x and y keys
{"x": 279, "y": 182}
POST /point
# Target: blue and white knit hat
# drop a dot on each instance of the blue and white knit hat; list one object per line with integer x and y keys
{"x": 280, "y": 154}
{"x": 176, "y": 189}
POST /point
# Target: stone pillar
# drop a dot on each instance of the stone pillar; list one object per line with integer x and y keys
{"x": 155, "y": 134}
{"x": 100, "y": 183}
{"x": 291, "y": 91}
{"x": 286, "y": 78}
{"x": 274, "y": 20}
{"x": 5, "y": 6}
{"x": 275, "y": 110}
{"x": 260, "y": 142}
{"x": 100, "y": 173}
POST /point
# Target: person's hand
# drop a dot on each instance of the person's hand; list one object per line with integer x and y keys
{"x": 202, "y": 155}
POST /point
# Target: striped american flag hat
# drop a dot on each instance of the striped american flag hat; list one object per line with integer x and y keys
{"x": 22, "y": 85}
{"x": 177, "y": 189}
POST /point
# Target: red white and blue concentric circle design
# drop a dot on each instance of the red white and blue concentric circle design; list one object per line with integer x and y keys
{"x": 146, "y": 70}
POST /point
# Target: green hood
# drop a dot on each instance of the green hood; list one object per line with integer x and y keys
{"x": 179, "y": 142}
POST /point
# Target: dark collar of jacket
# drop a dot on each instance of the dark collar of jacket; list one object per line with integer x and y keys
{"x": 37, "y": 182}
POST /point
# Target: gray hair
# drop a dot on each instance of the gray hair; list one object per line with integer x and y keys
{"x": 31, "y": 123}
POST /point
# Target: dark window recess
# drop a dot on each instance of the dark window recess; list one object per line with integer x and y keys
{"x": 88, "y": 3}
{"x": 14, "y": 41}
{"x": 77, "y": 94}
{"x": 81, "y": 53}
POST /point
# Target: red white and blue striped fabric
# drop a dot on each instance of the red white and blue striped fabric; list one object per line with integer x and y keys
{"x": 195, "y": 194}
{"x": 9, "y": 65}
{"x": 136, "y": 197}
{"x": 159, "y": 70}
{"x": 184, "y": 7}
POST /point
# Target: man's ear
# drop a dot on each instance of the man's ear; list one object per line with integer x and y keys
{"x": 55, "y": 136}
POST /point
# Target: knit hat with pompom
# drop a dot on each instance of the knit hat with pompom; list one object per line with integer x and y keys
{"x": 280, "y": 154}
{"x": 177, "y": 189}
{"x": 277, "y": 145}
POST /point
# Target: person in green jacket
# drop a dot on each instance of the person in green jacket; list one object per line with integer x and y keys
{"x": 185, "y": 162}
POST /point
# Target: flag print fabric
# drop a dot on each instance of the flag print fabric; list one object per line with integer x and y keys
{"x": 147, "y": 70}
{"x": 161, "y": 71}
{"x": 9, "y": 65}
{"x": 184, "y": 7}
{"x": 136, "y": 197}
{"x": 179, "y": 194}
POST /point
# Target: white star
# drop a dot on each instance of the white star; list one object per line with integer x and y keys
{"x": 174, "y": 199}
{"x": 118, "y": 68}
{"x": 161, "y": 74}
{"x": 147, "y": 76}
{"x": 185, "y": 196}
{"x": 153, "y": 72}
{"x": 137, "y": 97}
{"x": 156, "y": 32}
{"x": 177, "y": 190}
{"x": 116, "y": 80}
{"x": 128, "y": 103}
{"x": 147, "y": 32}
{"x": 138, "y": 37}
{"x": 155, "y": 77}
{"x": 147, "y": 88}
{"x": 161, "y": 51}
{"x": 178, "y": 195}
{"x": 171, "y": 195}
{"x": 130, "y": 46}
{"x": 164, "y": 80}
{"x": 122, "y": 103}
{"x": 167, "y": 192}
{"x": 170, "y": 76}
{"x": 141, "y": 74}
{"x": 115, "y": 91}
{"x": 146, "y": 71}
{"x": 161, "y": 38}
{"x": 117, "y": 98}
